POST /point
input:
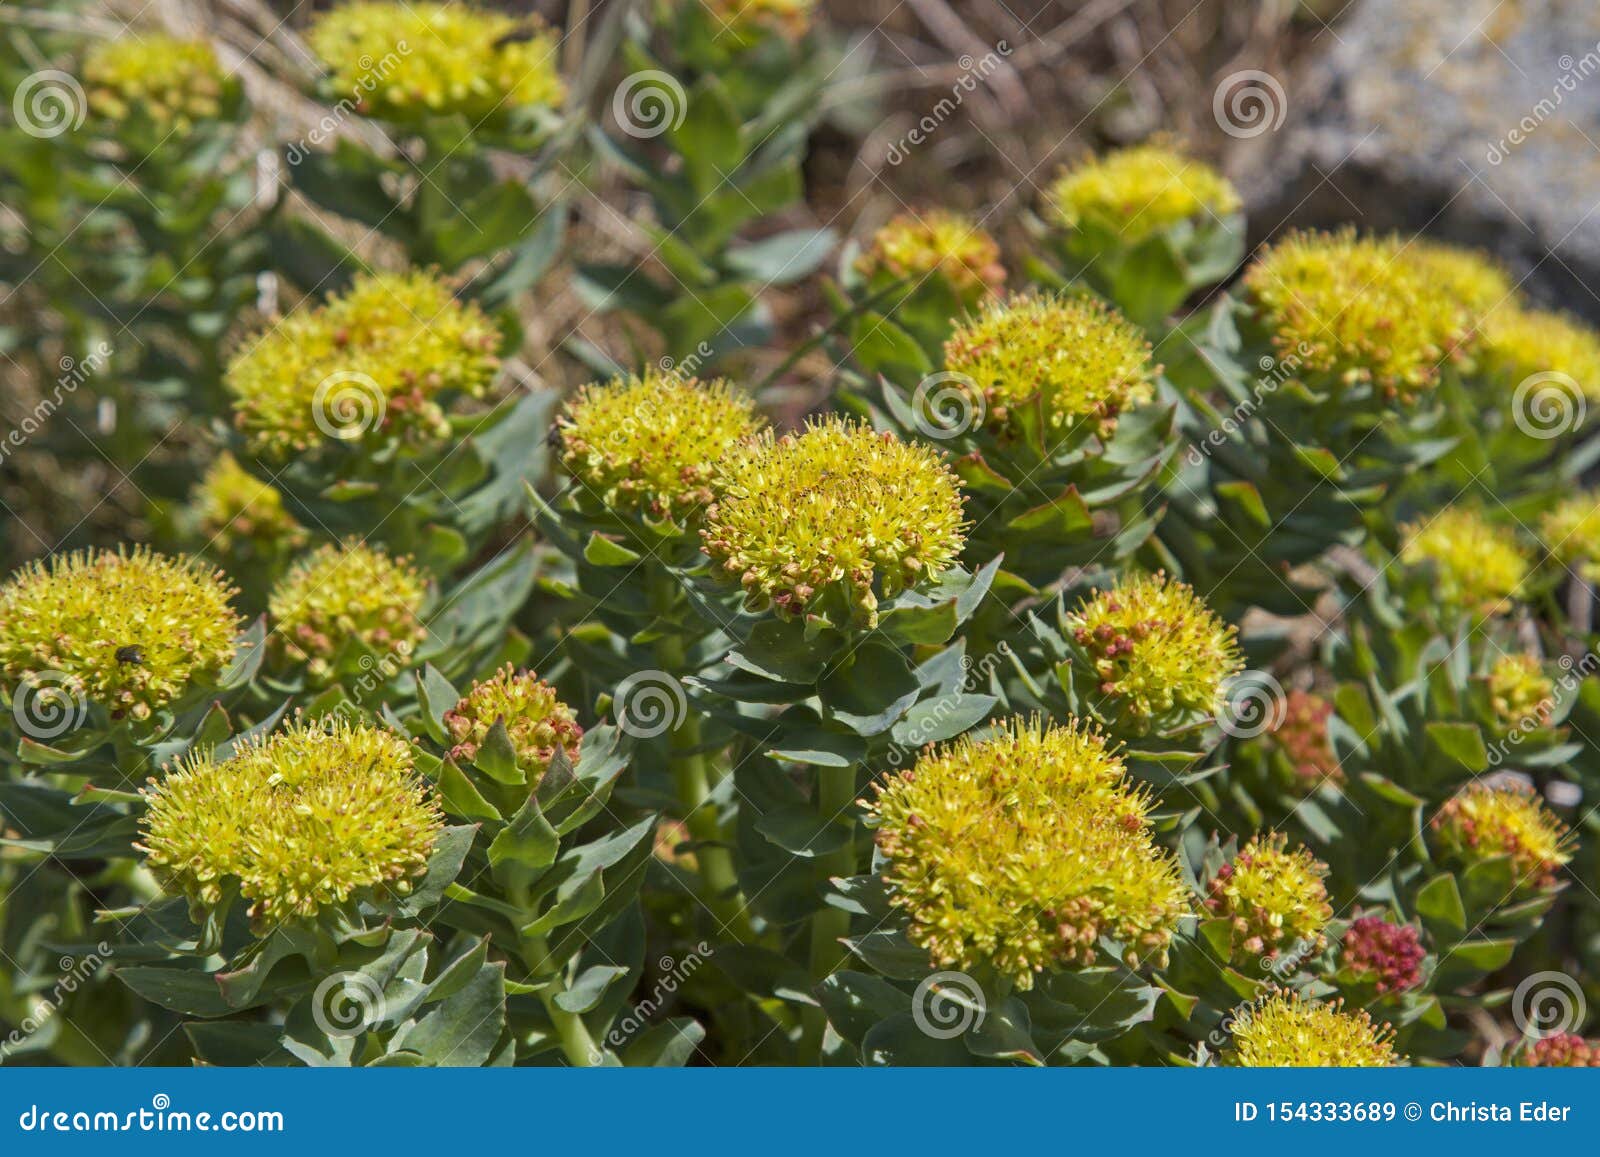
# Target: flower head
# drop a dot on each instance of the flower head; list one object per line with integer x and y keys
{"x": 1520, "y": 692}
{"x": 1388, "y": 956}
{"x": 535, "y": 718}
{"x": 130, "y": 630}
{"x": 1285, "y": 1031}
{"x": 233, "y": 508}
{"x": 1273, "y": 899}
{"x": 1354, "y": 308}
{"x": 1155, "y": 647}
{"x": 1518, "y": 344}
{"x": 1302, "y": 735}
{"x": 1020, "y": 851}
{"x": 839, "y": 508}
{"x": 409, "y": 61}
{"x": 1483, "y": 822}
{"x": 349, "y": 592}
{"x": 748, "y": 22}
{"x": 372, "y": 363}
{"x": 939, "y": 244}
{"x": 1571, "y": 533}
{"x": 1475, "y": 280}
{"x": 176, "y": 83}
{"x": 1081, "y": 358}
{"x": 301, "y": 820}
{"x": 651, "y": 444}
{"x": 1473, "y": 564}
{"x": 1563, "y": 1050}
{"x": 1137, "y": 192}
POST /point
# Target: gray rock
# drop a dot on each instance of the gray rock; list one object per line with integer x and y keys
{"x": 1474, "y": 120}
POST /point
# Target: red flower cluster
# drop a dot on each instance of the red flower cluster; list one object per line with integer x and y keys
{"x": 1565, "y": 1050}
{"x": 1391, "y": 955}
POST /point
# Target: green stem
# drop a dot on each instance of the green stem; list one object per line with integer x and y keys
{"x": 692, "y": 776}
{"x": 836, "y": 792}
{"x": 577, "y": 1043}
{"x": 719, "y": 881}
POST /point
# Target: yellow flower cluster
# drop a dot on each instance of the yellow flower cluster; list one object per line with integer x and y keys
{"x": 1155, "y": 647}
{"x": 1283, "y": 1030}
{"x": 301, "y": 820}
{"x": 349, "y": 592}
{"x": 1140, "y": 191}
{"x": 651, "y": 444}
{"x": 1483, "y": 822}
{"x": 747, "y": 22}
{"x": 1477, "y": 282}
{"x": 129, "y": 630}
{"x": 176, "y": 83}
{"x": 411, "y": 61}
{"x": 1080, "y": 357}
{"x": 839, "y": 508}
{"x": 1274, "y": 900}
{"x": 1571, "y": 533}
{"x": 1475, "y": 565}
{"x": 233, "y": 509}
{"x": 1518, "y": 344}
{"x": 370, "y": 364}
{"x": 1519, "y": 690}
{"x": 1019, "y": 852}
{"x": 1356, "y": 308}
{"x": 939, "y": 243}
{"x": 535, "y": 718}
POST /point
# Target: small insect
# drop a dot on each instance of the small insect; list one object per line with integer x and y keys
{"x": 517, "y": 36}
{"x": 553, "y": 438}
{"x": 132, "y": 654}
